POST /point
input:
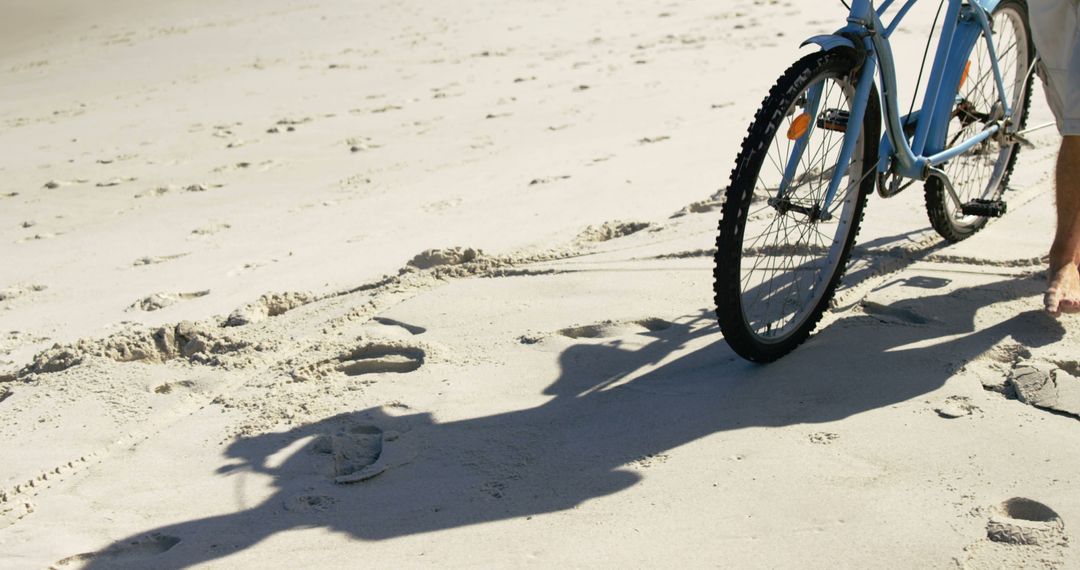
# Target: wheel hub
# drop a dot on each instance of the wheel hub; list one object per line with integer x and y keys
{"x": 814, "y": 214}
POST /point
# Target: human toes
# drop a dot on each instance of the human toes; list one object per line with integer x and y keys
{"x": 1069, "y": 305}
{"x": 1052, "y": 302}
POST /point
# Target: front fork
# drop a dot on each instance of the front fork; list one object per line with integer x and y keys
{"x": 853, "y": 130}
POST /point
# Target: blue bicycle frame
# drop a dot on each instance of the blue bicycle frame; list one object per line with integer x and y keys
{"x": 927, "y": 149}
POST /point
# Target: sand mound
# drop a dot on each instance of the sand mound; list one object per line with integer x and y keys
{"x": 456, "y": 262}
{"x": 609, "y": 231}
{"x": 186, "y": 340}
{"x": 269, "y": 305}
{"x": 442, "y": 257}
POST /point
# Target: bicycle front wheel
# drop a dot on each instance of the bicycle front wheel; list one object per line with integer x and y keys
{"x": 983, "y": 172}
{"x": 780, "y": 253}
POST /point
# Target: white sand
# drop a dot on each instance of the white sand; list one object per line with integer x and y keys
{"x": 211, "y": 197}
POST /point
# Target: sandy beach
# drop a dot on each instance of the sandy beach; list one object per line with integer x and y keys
{"x": 333, "y": 284}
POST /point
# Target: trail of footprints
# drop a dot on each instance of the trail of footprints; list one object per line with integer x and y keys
{"x": 394, "y": 356}
{"x": 356, "y": 452}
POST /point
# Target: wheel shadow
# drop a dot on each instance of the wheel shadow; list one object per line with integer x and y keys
{"x": 612, "y": 404}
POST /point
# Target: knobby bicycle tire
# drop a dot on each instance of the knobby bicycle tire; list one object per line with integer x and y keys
{"x": 839, "y": 65}
{"x": 944, "y": 217}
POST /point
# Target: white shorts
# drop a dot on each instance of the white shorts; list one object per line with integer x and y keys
{"x": 1055, "y": 28}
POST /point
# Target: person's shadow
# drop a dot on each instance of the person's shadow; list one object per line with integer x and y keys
{"x": 613, "y": 404}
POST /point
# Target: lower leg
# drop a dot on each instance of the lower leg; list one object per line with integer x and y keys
{"x": 1063, "y": 295}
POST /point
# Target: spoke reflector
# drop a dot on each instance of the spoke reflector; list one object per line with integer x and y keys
{"x": 799, "y": 127}
{"x": 964, "y": 76}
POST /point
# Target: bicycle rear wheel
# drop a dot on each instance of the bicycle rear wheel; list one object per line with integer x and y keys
{"x": 983, "y": 172}
{"x": 778, "y": 259}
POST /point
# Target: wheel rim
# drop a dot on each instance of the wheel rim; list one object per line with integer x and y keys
{"x": 787, "y": 259}
{"x": 978, "y": 173}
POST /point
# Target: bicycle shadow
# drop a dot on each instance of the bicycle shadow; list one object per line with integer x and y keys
{"x": 613, "y": 404}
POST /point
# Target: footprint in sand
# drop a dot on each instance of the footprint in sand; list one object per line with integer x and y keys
{"x": 823, "y": 438}
{"x": 602, "y": 330}
{"x": 38, "y": 237}
{"x": 360, "y": 452}
{"x": 155, "y": 192}
{"x": 361, "y": 144}
{"x": 548, "y": 180}
{"x": 242, "y": 165}
{"x": 411, "y": 329}
{"x": 1020, "y": 533}
{"x": 956, "y": 407}
{"x": 1045, "y": 385}
{"x": 16, "y": 291}
{"x": 309, "y": 503}
{"x": 159, "y": 191}
{"x": 1023, "y": 521}
{"x": 156, "y": 259}
{"x": 54, "y": 184}
{"x": 117, "y": 158}
{"x": 653, "y": 140}
{"x": 141, "y": 550}
{"x": 377, "y": 358}
{"x": 210, "y": 229}
{"x": 169, "y": 387}
{"x": 159, "y": 301}
{"x": 389, "y": 331}
{"x": 608, "y": 329}
{"x": 352, "y": 449}
{"x": 288, "y": 125}
{"x": 115, "y": 181}
{"x": 387, "y": 109}
{"x": 442, "y": 205}
{"x": 894, "y": 314}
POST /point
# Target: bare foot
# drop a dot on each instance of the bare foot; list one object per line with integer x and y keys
{"x": 1063, "y": 295}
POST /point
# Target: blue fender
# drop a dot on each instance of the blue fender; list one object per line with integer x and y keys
{"x": 829, "y": 42}
{"x": 987, "y": 5}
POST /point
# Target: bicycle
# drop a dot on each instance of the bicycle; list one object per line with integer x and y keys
{"x": 815, "y": 152}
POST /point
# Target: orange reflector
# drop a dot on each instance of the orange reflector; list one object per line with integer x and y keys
{"x": 799, "y": 127}
{"x": 964, "y": 76}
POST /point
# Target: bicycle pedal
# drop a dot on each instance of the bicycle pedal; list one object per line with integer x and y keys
{"x": 985, "y": 208}
{"x": 834, "y": 120}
